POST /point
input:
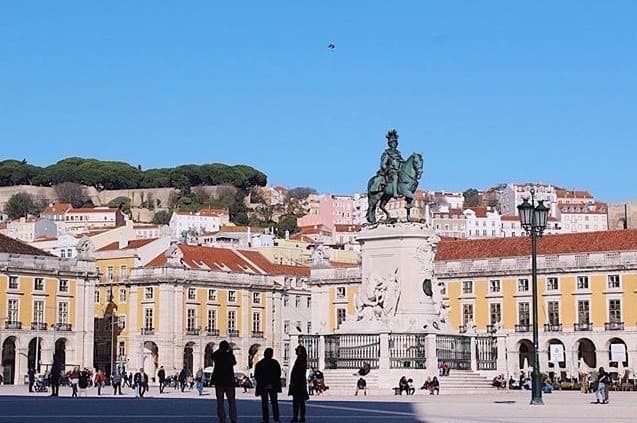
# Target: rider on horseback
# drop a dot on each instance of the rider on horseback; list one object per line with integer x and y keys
{"x": 390, "y": 162}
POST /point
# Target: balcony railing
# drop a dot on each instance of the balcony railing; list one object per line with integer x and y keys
{"x": 491, "y": 329}
{"x": 257, "y": 334}
{"x": 38, "y": 326}
{"x": 614, "y": 326}
{"x": 212, "y": 332}
{"x": 13, "y": 325}
{"x": 148, "y": 331}
{"x": 462, "y": 329}
{"x": 523, "y": 328}
{"x": 193, "y": 332}
{"x": 583, "y": 326}
{"x": 233, "y": 333}
{"x": 63, "y": 327}
{"x": 553, "y": 327}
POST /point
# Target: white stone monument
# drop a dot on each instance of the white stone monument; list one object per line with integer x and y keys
{"x": 399, "y": 291}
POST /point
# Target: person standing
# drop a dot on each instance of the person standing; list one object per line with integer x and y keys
{"x": 199, "y": 381}
{"x": 267, "y": 373}
{"x": 83, "y": 381}
{"x": 298, "y": 385}
{"x": 116, "y": 380}
{"x": 31, "y": 374}
{"x": 223, "y": 379}
{"x": 99, "y": 381}
{"x": 74, "y": 377}
{"x": 603, "y": 380}
{"x": 56, "y": 374}
{"x": 161, "y": 375}
{"x": 138, "y": 382}
{"x": 144, "y": 383}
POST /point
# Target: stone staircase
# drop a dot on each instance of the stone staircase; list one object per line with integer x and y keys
{"x": 464, "y": 381}
{"x": 343, "y": 381}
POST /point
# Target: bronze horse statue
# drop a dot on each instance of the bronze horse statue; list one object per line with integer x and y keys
{"x": 379, "y": 192}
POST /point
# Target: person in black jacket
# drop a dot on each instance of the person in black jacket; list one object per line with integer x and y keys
{"x": 267, "y": 373}
{"x": 138, "y": 383}
{"x": 31, "y": 374}
{"x": 161, "y": 375}
{"x": 298, "y": 385}
{"x": 223, "y": 379}
{"x": 56, "y": 374}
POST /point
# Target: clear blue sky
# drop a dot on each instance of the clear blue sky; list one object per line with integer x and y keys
{"x": 488, "y": 91}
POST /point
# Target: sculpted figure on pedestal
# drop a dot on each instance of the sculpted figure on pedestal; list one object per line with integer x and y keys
{"x": 396, "y": 178}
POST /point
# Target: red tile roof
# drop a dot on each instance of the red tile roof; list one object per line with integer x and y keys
{"x": 57, "y": 208}
{"x": 13, "y": 246}
{"x": 227, "y": 259}
{"x": 479, "y": 211}
{"x": 588, "y": 242}
{"x": 563, "y": 193}
{"x": 136, "y": 243}
{"x": 204, "y": 212}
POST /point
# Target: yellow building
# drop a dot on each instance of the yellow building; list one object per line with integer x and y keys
{"x": 587, "y": 284}
{"x": 44, "y": 306}
{"x": 176, "y": 309}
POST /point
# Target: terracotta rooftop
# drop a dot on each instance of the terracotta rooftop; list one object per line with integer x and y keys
{"x": 563, "y": 193}
{"x": 588, "y": 242}
{"x": 57, "y": 208}
{"x": 228, "y": 259}
{"x": 232, "y": 228}
{"x": 13, "y": 246}
{"x": 479, "y": 211}
{"x": 204, "y": 212}
{"x": 136, "y": 243}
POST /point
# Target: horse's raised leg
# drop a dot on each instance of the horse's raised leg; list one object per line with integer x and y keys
{"x": 383, "y": 202}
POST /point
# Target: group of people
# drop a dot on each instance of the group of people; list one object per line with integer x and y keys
{"x": 267, "y": 373}
{"x": 316, "y": 381}
{"x": 432, "y": 385}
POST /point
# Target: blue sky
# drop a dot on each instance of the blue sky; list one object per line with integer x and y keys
{"x": 488, "y": 91}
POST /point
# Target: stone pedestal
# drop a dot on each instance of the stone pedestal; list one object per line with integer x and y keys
{"x": 399, "y": 292}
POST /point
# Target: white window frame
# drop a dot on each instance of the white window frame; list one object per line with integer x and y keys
{"x": 212, "y": 294}
{"x": 256, "y": 298}
{"x": 467, "y": 284}
{"x": 232, "y": 296}
{"x": 557, "y": 284}
{"x": 495, "y": 283}
{"x": 341, "y": 292}
{"x": 619, "y": 281}
{"x": 192, "y": 294}
{"x": 582, "y": 278}
{"x": 149, "y": 293}
{"x": 64, "y": 285}
{"x": 519, "y": 285}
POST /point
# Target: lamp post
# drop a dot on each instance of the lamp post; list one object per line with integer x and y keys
{"x": 533, "y": 219}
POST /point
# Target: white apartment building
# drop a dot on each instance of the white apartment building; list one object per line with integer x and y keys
{"x": 513, "y": 194}
{"x": 482, "y": 222}
{"x": 63, "y": 246}
{"x": 28, "y": 229}
{"x": 511, "y": 227}
{"x": 85, "y": 219}
{"x": 453, "y": 200}
{"x": 449, "y": 222}
{"x": 197, "y": 223}
{"x": 583, "y": 217}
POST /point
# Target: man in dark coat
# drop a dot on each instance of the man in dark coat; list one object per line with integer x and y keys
{"x": 31, "y": 374}
{"x": 56, "y": 374}
{"x": 161, "y": 375}
{"x": 138, "y": 382}
{"x": 223, "y": 378}
{"x": 267, "y": 373}
{"x": 298, "y": 385}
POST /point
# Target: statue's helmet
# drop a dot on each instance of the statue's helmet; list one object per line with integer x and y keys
{"x": 392, "y": 136}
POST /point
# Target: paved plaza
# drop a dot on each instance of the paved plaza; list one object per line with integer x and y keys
{"x": 17, "y": 406}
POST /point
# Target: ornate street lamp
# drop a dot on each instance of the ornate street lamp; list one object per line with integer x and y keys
{"x": 533, "y": 219}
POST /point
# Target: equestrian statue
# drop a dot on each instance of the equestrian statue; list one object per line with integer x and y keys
{"x": 396, "y": 178}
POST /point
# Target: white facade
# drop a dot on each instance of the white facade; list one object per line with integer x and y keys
{"x": 63, "y": 246}
{"x": 482, "y": 223}
{"x": 513, "y": 194}
{"x": 28, "y": 229}
{"x": 583, "y": 217}
{"x": 82, "y": 220}
{"x": 201, "y": 222}
{"x": 150, "y": 231}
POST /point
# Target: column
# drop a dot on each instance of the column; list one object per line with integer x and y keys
{"x": 502, "y": 364}
{"x": 431, "y": 355}
{"x": 321, "y": 351}
{"x": 383, "y": 360}
{"x": 474, "y": 357}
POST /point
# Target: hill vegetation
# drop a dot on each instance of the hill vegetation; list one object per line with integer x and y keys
{"x": 120, "y": 175}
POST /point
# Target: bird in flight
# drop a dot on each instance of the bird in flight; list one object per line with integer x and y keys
{"x": 331, "y": 46}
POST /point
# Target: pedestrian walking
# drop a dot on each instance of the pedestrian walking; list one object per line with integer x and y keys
{"x": 199, "y": 381}
{"x": 161, "y": 375}
{"x": 603, "y": 381}
{"x": 183, "y": 375}
{"x": 223, "y": 378}
{"x": 145, "y": 387}
{"x": 138, "y": 381}
{"x": 99, "y": 381}
{"x": 267, "y": 373}
{"x": 31, "y": 374}
{"x": 116, "y": 381}
{"x": 298, "y": 385}
{"x": 74, "y": 378}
